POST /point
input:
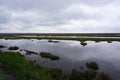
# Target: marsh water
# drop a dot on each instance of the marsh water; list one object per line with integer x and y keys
{"x": 72, "y": 54}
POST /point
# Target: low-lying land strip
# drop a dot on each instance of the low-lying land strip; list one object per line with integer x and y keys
{"x": 64, "y": 36}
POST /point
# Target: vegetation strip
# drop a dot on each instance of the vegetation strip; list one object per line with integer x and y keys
{"x": 15, "y": 65}
{"x": 61, "y": 34}
{"x": 1, "y": 78}
{"x": 49, "y": 55}
{"x": 64, "y": 36}
{"x": 13, "y": 48}
{"x": 30, "y": 52}
{"x": 1, "y": 46}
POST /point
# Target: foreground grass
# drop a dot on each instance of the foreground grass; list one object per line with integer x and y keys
{"x": 15, "y": 65}
{"x": 18, "y": 68}
{"x": 1, "y": 78}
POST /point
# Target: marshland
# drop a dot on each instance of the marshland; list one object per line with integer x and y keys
{"x": 69, "y": 56}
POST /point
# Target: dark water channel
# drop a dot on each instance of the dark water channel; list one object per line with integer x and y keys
{"x": 72, "y": 54}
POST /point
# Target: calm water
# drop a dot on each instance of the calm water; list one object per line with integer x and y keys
{"x": 72, "y": 54}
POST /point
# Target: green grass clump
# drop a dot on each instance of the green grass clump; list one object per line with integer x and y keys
{"x": 76, "y": 75}
{"x": 90, "y": 73}
{"x": 49, "y": 55}
{"x": 30, "y": 52}
{"x": 1, "y": 78}
{"x": 92, "y": 65}
{"x": 83, "y": 43}
{"x": 83, "y": 75}
{"x": 1, "y": 46}
{"x": 15, "y": 65}
{"x": 56, "y": 74}
{"x": 13, "y": 48}
{"x": 103, "y": 76}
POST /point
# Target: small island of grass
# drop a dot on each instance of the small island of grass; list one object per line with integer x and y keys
{"x": 30, "y": 52}
{"x": 49, "y": 55}
{"x": 53, "y": 41}
{"x": 89, "y": 74}
{"x": 83, "y": 43}
{"x": 13, "y": 48}
{"x": 1, "y": 46}
{"x": 92, "y": 65}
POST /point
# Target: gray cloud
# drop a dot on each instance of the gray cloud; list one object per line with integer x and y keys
{"x": 59, "y": 16}
{"x": 4, "y": 15}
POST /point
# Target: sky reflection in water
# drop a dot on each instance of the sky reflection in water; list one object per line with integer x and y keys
{"x": 72, "y": 54}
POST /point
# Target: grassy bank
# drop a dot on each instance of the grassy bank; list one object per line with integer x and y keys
{"x": 16, "y": 66}
{"x": 1, "y": 78}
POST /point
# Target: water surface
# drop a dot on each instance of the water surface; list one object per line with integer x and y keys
{"x": 72, "y": 54}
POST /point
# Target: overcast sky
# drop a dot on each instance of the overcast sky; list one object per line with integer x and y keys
{"x": 50, "y": 16}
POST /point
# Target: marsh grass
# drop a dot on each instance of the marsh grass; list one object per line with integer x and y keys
{"x": 15, "y": 65}
{"x": 1, "y": 78}
{"x": 64, "y": 36}
{"x": 83, "y": 75}
{"x": 50, "y": 40}
{"x": 92, "y": 65}
{"x": 30, "y": 52}
{"x": 90, "y": 73}
{"x": 49, "y": 56}
{"x": 1, "y": 46}
{"x": 20, "y": 69}
{"x": 83, "y": 43}
{"x": 103, "y": 76}
{"x": 109, "y": 41}
{"x": 56, "y": 74}
{"x": 13, "y": 48}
